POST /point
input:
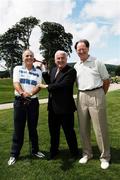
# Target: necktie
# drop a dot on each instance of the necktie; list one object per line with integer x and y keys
{"x": 57, "y": 72}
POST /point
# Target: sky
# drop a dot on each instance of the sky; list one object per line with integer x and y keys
{"x": 98, "y": 21}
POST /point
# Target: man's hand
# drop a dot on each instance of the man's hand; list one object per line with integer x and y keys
{"x": 43, "y": 86}
{"x": 106, "y": 84}
{"x": 26, "y": 94}
{"x": 44, "y": 67}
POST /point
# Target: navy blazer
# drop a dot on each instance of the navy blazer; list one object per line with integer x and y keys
{"x": 60, "y": 90}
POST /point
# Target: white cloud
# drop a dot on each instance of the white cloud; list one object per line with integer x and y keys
{"x": 88, "y": 30}
{"x": 92, "y": 32}
{"x": 11, "y": 11}
{"x": 107, "y": 10}
{"x": 2, "y": 65}
{"x": 34, "y": 42}
{"x": 112, "y": 61}
{"x": 116, "y": 28}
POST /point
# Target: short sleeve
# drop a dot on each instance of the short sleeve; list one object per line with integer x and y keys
{"x": 16, "y": 74}
{"x": 39, "y": 79}
{"x": 102, "y": 70}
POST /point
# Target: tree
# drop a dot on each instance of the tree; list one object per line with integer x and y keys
{"x": 117, "y": 71}
{"x": 24, "y": 29}
{"x": 111, "y": 69}
{"x": 15, "y": 40}
{"x": 10, "y": 49}
{"x": 54, "y": 38}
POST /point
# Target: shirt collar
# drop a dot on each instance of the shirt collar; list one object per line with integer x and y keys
{"x": 33, "y": 68}
{"x": 90, "y": 58}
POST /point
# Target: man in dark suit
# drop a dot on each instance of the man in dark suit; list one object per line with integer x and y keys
{"x": 61, "y": 105}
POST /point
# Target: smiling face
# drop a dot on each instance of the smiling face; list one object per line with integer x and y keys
{"x": 60, "y": 59}
{"x": 28, "y": 59}
{"x": 82, "y": 51}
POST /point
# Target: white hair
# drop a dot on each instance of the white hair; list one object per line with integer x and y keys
{"x": 27, "y": 50}
{"x": 61, "y": 52}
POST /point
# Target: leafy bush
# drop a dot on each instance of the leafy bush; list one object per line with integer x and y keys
{"x": 115, "y": 79}
{"x": 4, "y": 74}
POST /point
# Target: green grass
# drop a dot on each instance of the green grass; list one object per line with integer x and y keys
{"x": 27, "y": 168}
{"x": 6, "y": 90}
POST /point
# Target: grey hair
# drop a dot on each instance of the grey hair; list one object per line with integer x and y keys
{"x": 27, "y": 50}
{"x": 61, "y": 52}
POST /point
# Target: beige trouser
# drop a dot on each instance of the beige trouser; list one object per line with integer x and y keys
{"x": 91, "y": 108}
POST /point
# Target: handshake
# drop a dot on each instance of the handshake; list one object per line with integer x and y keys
{"x": 42, "y": 86}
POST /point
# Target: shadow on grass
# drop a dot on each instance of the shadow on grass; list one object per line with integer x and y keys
{"x": 29, "y": 156}
{"x": 67, "y": 161}
{"x": 64, "y": 157}
{"x": 115, "y": 154}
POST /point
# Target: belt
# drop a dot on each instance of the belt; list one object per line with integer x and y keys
{"x": 91, "y": 89}
{"x": 21, "y": 98}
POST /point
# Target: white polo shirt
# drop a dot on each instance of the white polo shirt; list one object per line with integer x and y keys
{"x": 27, "y": 79}
{"x": 90, "y": 74}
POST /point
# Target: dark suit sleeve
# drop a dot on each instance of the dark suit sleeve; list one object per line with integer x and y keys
{"x": 46, "y": 77}
{"x": 66, "y": 80}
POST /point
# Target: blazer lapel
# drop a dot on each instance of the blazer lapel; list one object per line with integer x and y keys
{"x": 53, "y": 74}
{"x": 59, "y": 75}
{"x": 62, "y": 73}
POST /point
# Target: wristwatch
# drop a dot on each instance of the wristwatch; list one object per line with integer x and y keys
{"x": 21, "y": 93}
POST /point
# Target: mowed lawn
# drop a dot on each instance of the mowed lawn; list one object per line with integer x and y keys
{"x": 28, "y": 168}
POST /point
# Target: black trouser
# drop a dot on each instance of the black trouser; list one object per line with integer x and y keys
{"x": 23, "y": 113}
{"x": 55, "y": 121}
